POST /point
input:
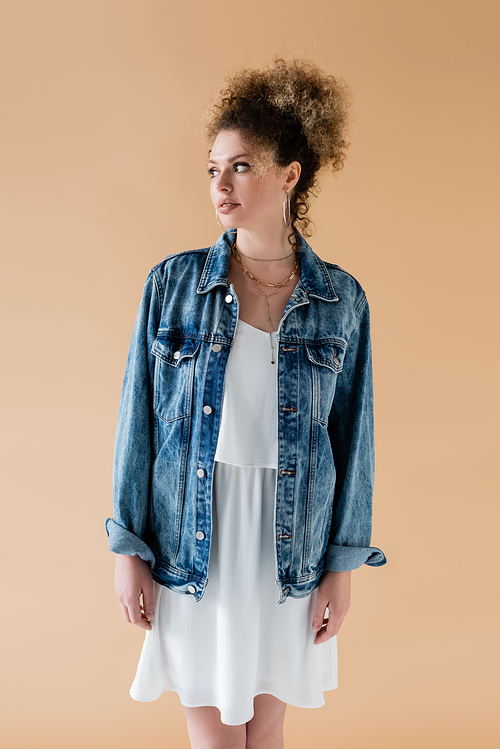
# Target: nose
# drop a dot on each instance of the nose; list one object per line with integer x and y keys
{"x": 223, "y": 181}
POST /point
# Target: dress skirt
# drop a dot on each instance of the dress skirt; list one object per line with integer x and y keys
{"x": 237, "y": 642}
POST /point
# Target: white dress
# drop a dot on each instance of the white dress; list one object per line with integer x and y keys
{"x": 237, "y": 642}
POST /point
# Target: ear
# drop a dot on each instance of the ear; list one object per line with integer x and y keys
{"x": 292, "y": 175}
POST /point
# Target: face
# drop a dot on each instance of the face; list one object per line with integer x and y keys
{"x": 243, "y": 196}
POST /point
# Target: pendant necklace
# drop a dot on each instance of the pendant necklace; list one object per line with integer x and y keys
{"x": 268, "y": 313}
{"x": 274, "y": 286}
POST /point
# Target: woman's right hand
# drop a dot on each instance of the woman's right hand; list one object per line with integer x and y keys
{"x": 132, "y": 578}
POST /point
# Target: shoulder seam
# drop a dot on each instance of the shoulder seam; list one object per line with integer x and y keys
{"x": 360, "y": 304}
{"x": 159, "y": 291}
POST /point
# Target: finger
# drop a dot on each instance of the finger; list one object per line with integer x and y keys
{"x": 323, "y": 635}
{"x": 329, "y": 630}
{"x": 148, "y": 600}
{"x": 144, "y": 623}
{"x": 319, "y": 613}
{"x": 137, "y": 617}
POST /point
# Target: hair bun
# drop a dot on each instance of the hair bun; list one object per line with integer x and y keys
{"x": 292, "y": 109}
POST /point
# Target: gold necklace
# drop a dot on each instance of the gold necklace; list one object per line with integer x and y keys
{"x": 275, "y": 286}
{"x": 248, "y": 273}
{"x": 266, "y": 259}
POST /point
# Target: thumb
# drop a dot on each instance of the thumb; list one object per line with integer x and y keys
{"x": 148, "y": 599}
{"x": 319, "y": 612}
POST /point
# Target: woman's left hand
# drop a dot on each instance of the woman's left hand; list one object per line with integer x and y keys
{"x": 334, "y": 591}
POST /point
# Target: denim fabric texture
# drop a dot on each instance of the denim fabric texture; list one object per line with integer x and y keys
{"x": 166, "y": 442}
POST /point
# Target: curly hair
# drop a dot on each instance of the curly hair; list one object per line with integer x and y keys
{"x": 292, "y": 111}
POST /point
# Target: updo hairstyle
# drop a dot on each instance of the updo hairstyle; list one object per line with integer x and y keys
{"x": 293, "y": 111}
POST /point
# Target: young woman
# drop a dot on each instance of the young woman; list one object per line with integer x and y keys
{"x": 244, "y": 450}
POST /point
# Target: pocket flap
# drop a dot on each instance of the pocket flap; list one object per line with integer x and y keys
{"x": 174, "y": 350}
{"x": 327, "y": 354}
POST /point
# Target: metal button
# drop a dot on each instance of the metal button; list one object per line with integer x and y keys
{"x": 200, "y": 473}
{"x": 191, "y": 589}
{"x": 335, "y": 360}
{"x": 177, "y": 354}
{"x": 207, "y": 410}
{"x": 229, "y": 298}
{"x": 200, "y": 535}
{"x": 216, "y": 347}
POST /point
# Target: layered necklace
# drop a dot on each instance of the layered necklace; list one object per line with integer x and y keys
{"x": 258, "y": 283}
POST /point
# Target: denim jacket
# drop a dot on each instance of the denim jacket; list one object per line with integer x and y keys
{"x": 166, "y": 437}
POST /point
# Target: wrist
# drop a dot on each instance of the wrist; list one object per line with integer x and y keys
{"x": 344, "y": 574}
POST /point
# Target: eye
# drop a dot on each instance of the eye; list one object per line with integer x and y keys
{"x": 212, "y": 172}
{"x": 241, "y": 166}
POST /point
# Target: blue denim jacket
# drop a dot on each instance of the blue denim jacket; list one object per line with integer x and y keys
{"x": 165, "y": 442}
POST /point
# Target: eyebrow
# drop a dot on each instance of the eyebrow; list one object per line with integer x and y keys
{"x": 232, "y": 160}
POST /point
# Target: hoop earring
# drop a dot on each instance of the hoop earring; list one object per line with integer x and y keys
{"x": 286, "y": 208}
{"x": 230, "y": 231}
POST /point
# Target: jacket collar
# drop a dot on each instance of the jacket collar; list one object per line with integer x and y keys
{"x": 314, "y": 279}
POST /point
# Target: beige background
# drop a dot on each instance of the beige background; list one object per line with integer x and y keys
{"x": 102, "y": 175}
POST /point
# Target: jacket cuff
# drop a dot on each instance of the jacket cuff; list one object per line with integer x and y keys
{"x": 343, "y": 558}
{"x": 122, "y": 541}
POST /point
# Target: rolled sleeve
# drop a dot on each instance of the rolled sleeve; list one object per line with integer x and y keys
{"x": 122, "y": 541}
{"x": 344, "y": 558}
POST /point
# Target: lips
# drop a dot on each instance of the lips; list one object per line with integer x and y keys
{"x": 225, "y": 206}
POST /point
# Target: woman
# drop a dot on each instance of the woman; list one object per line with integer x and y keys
{"x": 244, "y": 451}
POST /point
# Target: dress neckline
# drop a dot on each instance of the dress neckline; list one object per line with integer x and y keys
{"x": 264, "y": 332}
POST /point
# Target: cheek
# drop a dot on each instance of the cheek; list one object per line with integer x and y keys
{"x": 270, "y": 200}
{"x": 213, "y": 195}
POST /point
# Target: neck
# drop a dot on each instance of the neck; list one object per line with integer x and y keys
{"x": 265, "y": 246}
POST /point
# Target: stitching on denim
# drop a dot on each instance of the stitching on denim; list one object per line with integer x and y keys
{"x": 287, "y": 338}
{"x": 303, "y": 578}
{"x": 179, "y": 334}
{"x": 326, "y": 277}
{"x": 311, "y": 484}
{"x": 320, "y": 421}
{"x": 184, "y": 442}
{"x": 336, "y": 368}
{"x": 171, "y": 421}
{"x": 202, "y": 285}
{"x": 159, "y": 291}
{"x": 360, "y": 305}
{"x": 189, "y": 576}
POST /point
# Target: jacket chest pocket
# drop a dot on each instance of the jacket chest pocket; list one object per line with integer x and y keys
{"x": 174, "y": 376}
{"x": 326, "y": 362}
